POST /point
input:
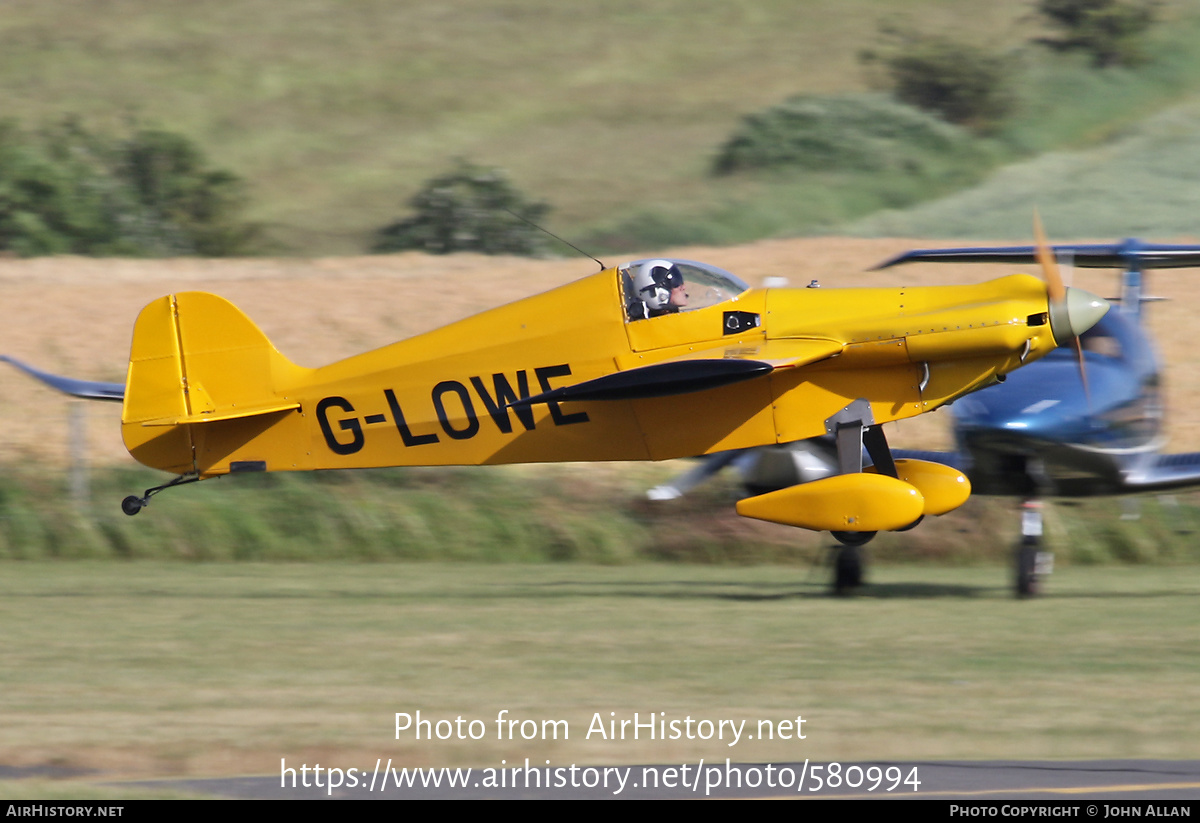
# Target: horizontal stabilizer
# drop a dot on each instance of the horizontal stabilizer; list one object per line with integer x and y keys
{"x": 225, "y": 414}
{"x": 88, "y": 389}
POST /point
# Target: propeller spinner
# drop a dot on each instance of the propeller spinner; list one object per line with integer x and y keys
{"x": 1072, "y": 311}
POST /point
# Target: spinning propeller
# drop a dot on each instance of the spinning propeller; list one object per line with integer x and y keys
{"x": 1070, "y": 309}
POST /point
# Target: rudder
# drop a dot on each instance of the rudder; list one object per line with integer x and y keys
{"x": 195, "y": 359}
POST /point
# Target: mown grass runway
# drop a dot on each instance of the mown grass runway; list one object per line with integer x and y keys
{"x": 146, "y": 668}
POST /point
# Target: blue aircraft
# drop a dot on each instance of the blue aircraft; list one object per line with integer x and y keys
{"x": 1075, "y": 423}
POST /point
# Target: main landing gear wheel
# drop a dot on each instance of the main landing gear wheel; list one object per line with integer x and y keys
{"x": 848, "y": 564}
{"x": 131, "y": 505}
{"x": 854, "y": 429}
{"x": 854, "y": 538}
{"x": 847, "y": 570}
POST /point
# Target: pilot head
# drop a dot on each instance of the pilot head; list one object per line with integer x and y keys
{"x": 659, "y": 284}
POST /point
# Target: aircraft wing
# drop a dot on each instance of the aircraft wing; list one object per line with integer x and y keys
{"x": 88, "y": 389}
{"x": 694, "y": 371}
{"x": 1164, "y": 471}
{"x": 1102, "y": 256}
{"x": 955, "y": 460}
{"x": 705, "y": 468}
{"x": 1154, "y": 472}
{"x": 787, "y": 464}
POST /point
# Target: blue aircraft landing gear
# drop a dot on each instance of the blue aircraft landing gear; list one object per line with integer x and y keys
{"x": 133, "y": 504}
{"x": 1029, "y": 550}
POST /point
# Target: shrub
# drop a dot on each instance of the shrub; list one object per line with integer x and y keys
{"x": 54, "y": 193}
{"x": 184, "y": 206}
{"x": 1109, "y": 31}
{"x": 470, "y": 208}
{"x": 851, "y": 133}
{"x": 66, "y": 190}
{"x": 960, "y": 83}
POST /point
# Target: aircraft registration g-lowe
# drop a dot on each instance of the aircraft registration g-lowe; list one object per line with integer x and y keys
{"x": 650, "y": 360}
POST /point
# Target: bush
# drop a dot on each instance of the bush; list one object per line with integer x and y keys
{"x": 470, "y": 208}
{"x": 960, "y": 83}
{"x": 66, "y": 190}
{"x": 1109, "y": 31}
{"x": 184, "y": 206}
{"x": 848, "y": 133}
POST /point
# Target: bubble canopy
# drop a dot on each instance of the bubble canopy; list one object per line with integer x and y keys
{"x": 705, "y": 285}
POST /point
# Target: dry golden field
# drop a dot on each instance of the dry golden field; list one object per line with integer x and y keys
{"x": 74, "y": 316}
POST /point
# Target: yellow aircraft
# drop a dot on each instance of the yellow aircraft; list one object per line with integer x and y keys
{"x": 650, "y": 360}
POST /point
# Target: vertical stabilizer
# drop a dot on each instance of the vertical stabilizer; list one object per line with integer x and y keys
{"x": 197, "y": 362}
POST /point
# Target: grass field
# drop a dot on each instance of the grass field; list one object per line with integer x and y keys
{"x": 151, "y": 669}
{"x": 1141, "y": 183}
{"x": 336, "y": 112}
{"x": 532, "y": 514}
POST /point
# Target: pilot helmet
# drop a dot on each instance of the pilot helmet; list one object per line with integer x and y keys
{"x": 653, "y": 282}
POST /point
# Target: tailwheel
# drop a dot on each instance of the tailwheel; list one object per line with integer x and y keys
{"x": 133, "y": 504}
